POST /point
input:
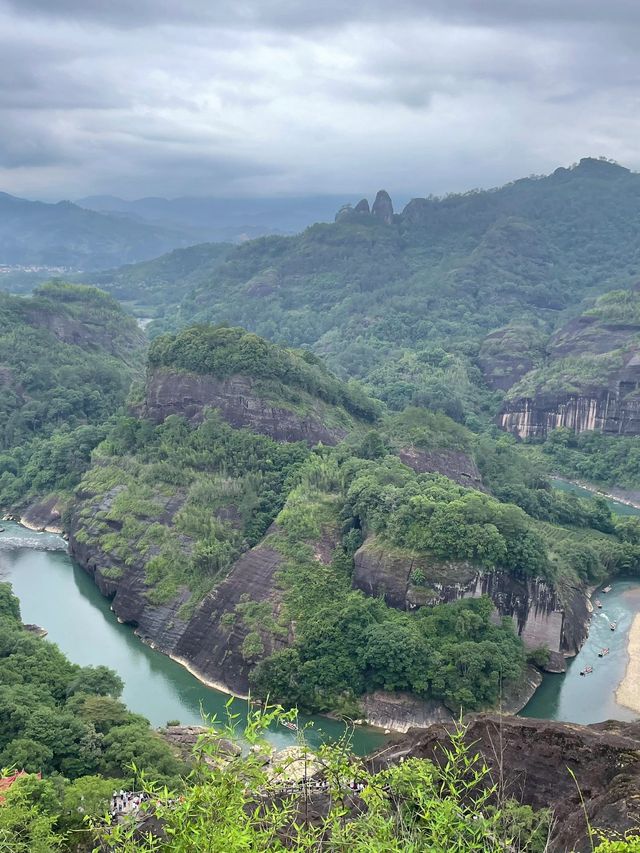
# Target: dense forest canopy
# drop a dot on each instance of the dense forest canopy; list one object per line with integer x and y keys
{"x": 67, "y": 358}
{"x": 223, "y": 352}
{"x": 406, "y": 304}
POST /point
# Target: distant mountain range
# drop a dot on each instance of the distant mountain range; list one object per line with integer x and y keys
{"x": 406, "y": 300}
{"x": 40, "y": 240}
{"x": 223, "y": 219}
{"x": 64, "y": 235}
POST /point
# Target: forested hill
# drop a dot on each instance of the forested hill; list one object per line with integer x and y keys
{"x": 67, "y": 357}
{"x": 378, "y": 293}
{"x": 265, "y": 523}
{"x": 33, "y": 233}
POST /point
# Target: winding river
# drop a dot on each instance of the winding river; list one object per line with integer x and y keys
{"x": 591, "y": 698}
{"x": 57, "y": 595}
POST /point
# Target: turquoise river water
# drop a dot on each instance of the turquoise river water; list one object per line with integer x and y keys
{"x": 57, "y": 595}
{"x": 591, "y": 698}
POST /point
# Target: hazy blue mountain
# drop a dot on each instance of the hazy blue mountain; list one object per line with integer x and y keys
{"x": 224, "y": 219}
{"x": 33, "y": 233}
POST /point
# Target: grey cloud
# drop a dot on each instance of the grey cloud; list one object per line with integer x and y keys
{"x": 295, "y": 14}
{"x": 260, "y": 96}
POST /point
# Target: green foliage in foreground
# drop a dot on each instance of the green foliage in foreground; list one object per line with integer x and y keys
{"x": 232, "y": 801}
{"x": 239, "y": 805}
{"x": 65, "y": 720}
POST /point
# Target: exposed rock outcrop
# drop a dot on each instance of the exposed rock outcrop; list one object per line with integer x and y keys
{"x": 205, "y": 643}
{"x": 43, "y": 515}
{"x": 542, "y": 616}
{"x": 185, "y": 738}
{"x": 454, "y": 464}
{"x": 591, "y": 379}
{"x": 532, "y": 759}
{"x": 92, "y": 332}
{"x": 383, "y": 207}
{"x": 239, "y": 402}
{"x": 125, "y": 583}
{"x": 362, "y": 206}
{"x": 210, "y": 641}
{"x": 211, "y": 647}
{"x": 615, "y": 411}
{"x": 401, "y": 711}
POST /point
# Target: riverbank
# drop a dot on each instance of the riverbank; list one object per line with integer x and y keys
{"x": 620, "y": 496}
{"x": 628, "y": 693}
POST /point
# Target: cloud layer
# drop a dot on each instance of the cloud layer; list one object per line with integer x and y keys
{"x": 260, "y": 97}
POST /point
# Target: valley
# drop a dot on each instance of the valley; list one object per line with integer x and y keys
{"x": 370, "y": 522}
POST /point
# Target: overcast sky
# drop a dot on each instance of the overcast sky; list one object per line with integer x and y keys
{"x": 262, "y": 97}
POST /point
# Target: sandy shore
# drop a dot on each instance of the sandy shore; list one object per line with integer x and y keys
{"x": 628, "y": 693}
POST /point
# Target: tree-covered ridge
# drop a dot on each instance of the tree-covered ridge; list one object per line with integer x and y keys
{"x": 445, "y": 272}
{"x": 67, "y": 357}
{"x": 223, "y": 352}
{"x": 156, "y": 286}
{"x": 587, "y": 353}
{"x": 347, "y": 643}
{"x": 429, "y": 513}
{"x": 34, "y": 233}
{"x": 584, "y": 540}
{"x": 618, "y": 306}
{"x": 225, "y": 487}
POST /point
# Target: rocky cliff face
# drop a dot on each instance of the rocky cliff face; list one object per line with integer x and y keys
{"x": 454, "y": 464}
{"x": 125, "y": 584}
{"x": 590, "y": 380}
{"x": 532, "y": 758}
{"x": 615, "y": 411}
{"x": 383, "y": 207}
{"x": 211, "y": 644}
{"x": 207, "y": 644}
{"x": 238, "y": 400}
{"x": 90, "y": 333}
{"x": 210, "y": 640}
{"x": 43, "y": 515}
{"x": 542, "y": 616}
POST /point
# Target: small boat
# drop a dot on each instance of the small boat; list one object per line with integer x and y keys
{"x": 597, "y": 602}
{"x": 289, "y": 725}
{"x": 607, "y": 589}
{"x": 1, "y": 529}
{"x": 586, "y": 670}
{"x": 603, "y": 652}
{"x": 613, "y": 626}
